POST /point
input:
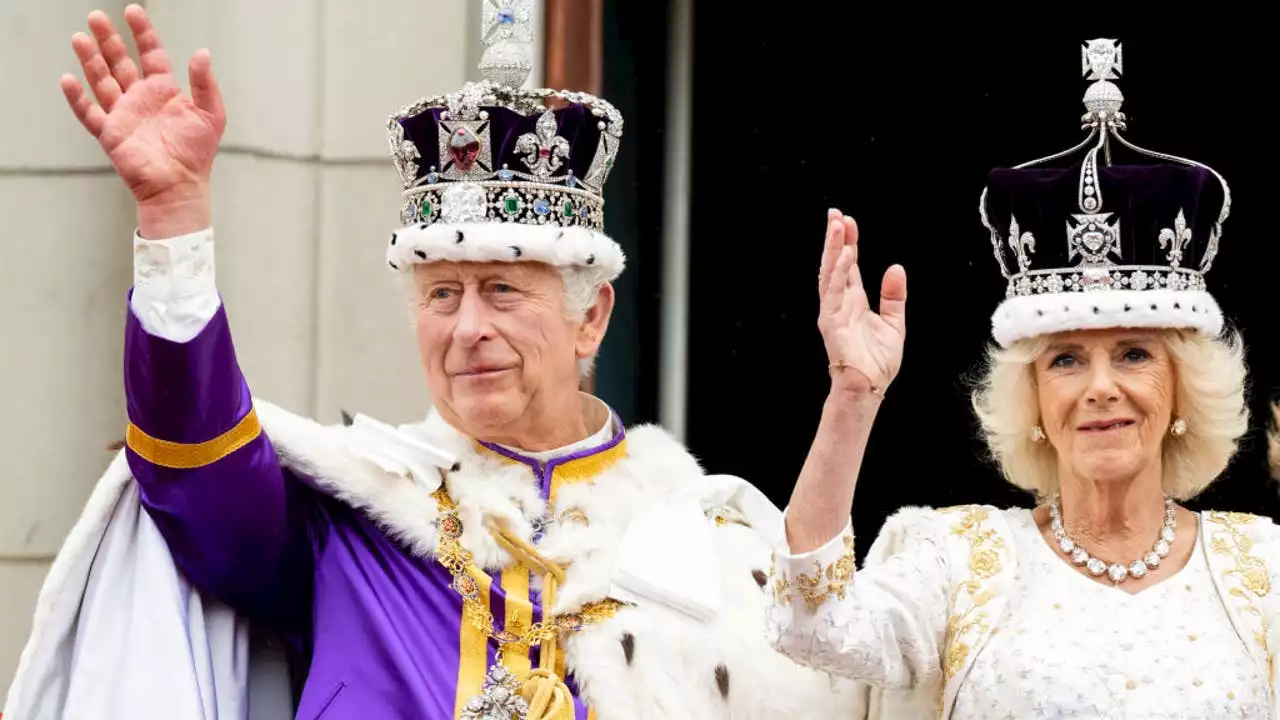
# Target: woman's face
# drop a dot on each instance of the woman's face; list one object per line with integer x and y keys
{"x": 1106, "y": 400}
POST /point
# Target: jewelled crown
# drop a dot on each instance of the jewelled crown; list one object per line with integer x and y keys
{"x": 493, "y": 172}
{"x": 1096, "y": 245}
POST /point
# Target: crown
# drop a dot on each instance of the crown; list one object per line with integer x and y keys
{"x": 1096, "y": 245}
{"x": 494, "y": 172}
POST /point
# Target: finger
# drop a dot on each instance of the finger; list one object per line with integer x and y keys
{"x": 96, "y": 72}
{"x": 893, "y": 298}
{"x": 851, "y": 241}
{"x": 90, "y": 115}
{"x": 154, "y": 59}
{"x": 204, "y": 86}
{"x": 113, "y": 50}
{"x": 834, "y": 299}
{"x": 830, "y": 250}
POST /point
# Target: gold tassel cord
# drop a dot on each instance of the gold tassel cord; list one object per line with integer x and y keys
{"x": 543, "y": 690}
{"x": 522, "y": 551}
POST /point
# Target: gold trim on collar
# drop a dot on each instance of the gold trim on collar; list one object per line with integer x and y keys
{"x": 588, "y": 467}
{"x": 189, "y": 456}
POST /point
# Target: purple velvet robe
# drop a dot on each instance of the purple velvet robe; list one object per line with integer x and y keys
{"x": 381, "y": 629}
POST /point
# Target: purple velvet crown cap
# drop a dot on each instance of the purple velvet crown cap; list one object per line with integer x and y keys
{"x": 574, "y": 123}
{"x": 1143, "y": 201}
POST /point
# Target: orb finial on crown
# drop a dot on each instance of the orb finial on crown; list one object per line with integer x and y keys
{"x": 1102, "y": 61}
{"x": 506, "y": 29}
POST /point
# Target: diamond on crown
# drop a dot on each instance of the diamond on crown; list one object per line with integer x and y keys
{"x": 1102, "y": 59}
{"x": 1093, "y": 238}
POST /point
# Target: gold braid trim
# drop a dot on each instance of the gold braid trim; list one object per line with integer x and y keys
{"x": 189, "y": 456}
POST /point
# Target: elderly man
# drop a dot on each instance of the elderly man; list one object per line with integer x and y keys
{"x": 517, "y": 555}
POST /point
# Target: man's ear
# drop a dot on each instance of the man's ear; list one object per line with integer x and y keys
{"x": 596, "y": 322}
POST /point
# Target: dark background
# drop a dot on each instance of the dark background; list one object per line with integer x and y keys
{"x": 814, "y": 106}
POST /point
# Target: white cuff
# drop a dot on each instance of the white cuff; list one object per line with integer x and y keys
{"x": 174, "y": 294}
{"x": 811, "y": 578}
{"x": 834, "y": 546}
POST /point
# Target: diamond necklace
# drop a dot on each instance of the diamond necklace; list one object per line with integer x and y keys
{"x": 1117, "y": 572}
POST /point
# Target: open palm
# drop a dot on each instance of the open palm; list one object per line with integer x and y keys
{"x": 161, "y": 141}
{"x": 863, "y": 347}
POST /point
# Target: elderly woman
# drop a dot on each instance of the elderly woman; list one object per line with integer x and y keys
{"x": 1113, "y": 394}
{"x": 518, "y": 555}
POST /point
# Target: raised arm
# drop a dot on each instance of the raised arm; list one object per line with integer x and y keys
{"x": 865, "y": 352}
{"x": 207, "y": 473}
{"x": 883, "y": 625}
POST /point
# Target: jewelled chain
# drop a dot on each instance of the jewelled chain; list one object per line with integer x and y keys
{"x": 460, "y": 564}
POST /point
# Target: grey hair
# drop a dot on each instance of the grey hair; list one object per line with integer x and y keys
{"x": 581, "y": 291}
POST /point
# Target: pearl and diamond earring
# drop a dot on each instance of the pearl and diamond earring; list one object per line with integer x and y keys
{"x": 1037, "y": 434}
{"x": 1178, "y": 428}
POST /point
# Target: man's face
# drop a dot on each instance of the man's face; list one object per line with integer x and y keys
{"x": 496, "y": 341}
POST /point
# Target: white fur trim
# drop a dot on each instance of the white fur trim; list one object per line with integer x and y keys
{"x": 671, "y": 666}
{"x": 494, "y": 241}
{"x": 675, "y": 658}
{"x": 1026, "y": 316}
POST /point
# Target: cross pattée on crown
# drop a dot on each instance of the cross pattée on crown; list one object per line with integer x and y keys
{"x": 1101, "y": 59}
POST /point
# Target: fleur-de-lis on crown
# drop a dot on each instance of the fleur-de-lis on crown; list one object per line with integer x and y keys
{"x": 543, "y": 148}
{"x": 404, "y": 154}
{"x": 1023, "y": 245}
{"x": 1176, "y": 239}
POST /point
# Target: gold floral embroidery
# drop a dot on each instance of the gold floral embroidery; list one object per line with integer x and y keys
{"x": 830, "y": 580}
{"x": 1252, "y": 571}
{"x": 984, "y": 563}
{"x": 781, "y": 589}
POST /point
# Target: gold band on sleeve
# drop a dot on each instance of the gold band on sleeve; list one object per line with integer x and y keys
{"x": 188, "y": 456}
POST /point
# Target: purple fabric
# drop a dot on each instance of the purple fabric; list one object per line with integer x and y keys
{"x": 544, "y": 472}
{"x": 379, "y": 625}
{"x": 194, "y": 392}
{"x": 386, "y": 625}
{"x": 575, "y": 124}
{"x": 1145, "y": 199}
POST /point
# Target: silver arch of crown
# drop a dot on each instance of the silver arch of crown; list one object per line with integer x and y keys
{"x": 506, "y": 30}
{"x": 1093, "y": 237}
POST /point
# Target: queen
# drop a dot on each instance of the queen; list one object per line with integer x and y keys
{"x": 1113, "y": 392}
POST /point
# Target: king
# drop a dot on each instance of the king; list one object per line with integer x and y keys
{"x": 519, "y": 554}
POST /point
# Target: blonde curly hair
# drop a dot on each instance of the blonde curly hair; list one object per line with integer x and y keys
{"x": 1210, "y": 396}
{"x": 1273, "y": 441}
